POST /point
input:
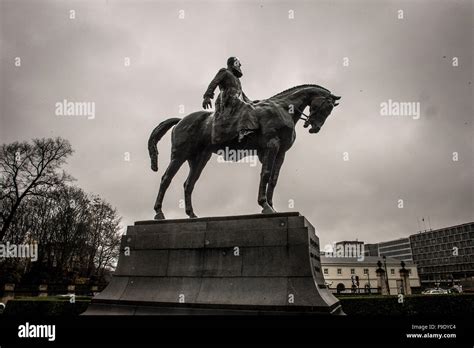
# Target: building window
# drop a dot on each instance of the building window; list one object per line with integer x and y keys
{"x": 392, "y": 271}
{"x": 353, "y": 271}
{"x": 366, "y": 271}
{"x": 339, "y": 271}
{"x": 326, "y": 271}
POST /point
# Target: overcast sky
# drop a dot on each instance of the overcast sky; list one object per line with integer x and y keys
{"x": 173, "y": 60}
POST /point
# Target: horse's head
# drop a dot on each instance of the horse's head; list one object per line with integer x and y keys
{"x": 319, "y": 109}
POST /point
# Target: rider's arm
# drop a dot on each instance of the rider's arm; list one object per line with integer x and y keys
{"x": 214, "y": 83}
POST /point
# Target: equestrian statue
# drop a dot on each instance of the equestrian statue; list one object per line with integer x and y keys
{"x": 266, "y": 127}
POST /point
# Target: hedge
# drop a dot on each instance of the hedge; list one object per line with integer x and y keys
{"x": 46, "y": 306}
{"x": 430, "y": 305}
{"x": 375, "y": 305}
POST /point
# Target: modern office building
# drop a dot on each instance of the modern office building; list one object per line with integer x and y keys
{"x": 445, "y": 255}
{"x": 340, "y": 273}
{"x": 399, "y": 249}
{"x": 371, "y": 249}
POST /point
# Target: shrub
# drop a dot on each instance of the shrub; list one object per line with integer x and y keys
{"x": 446, "y": 305}
{"x": 46, "y": 306}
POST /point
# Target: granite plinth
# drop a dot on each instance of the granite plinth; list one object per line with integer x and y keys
{"x": 249, "y": 264}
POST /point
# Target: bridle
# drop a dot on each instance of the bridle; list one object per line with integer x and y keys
{"x": 306, "y": 118}
{"x": 303, "y": 116}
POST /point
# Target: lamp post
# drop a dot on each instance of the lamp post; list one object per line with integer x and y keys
{"x": 386, "y": 273}
{"x": 368, "y": 279}
{"x": 405, "y": 275}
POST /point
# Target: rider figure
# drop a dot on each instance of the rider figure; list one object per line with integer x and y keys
{"x": 231, "y": 98}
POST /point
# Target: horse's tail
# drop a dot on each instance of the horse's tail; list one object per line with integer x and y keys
{"x": 156, "y": 136}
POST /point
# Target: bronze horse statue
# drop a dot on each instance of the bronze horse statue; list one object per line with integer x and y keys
{"x": 277, "y": 118}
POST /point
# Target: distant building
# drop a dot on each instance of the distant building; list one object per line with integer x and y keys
{"x": 341, "y": 272}
{"x": 445, "y": 255}
{"x": 399, "y": 249}
{"x": 371, "y": 249}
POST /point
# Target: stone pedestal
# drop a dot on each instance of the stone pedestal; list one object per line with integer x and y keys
{"x": 382, "y": 282}
{"x": 250, "y": 264}
{"x": 405, "y": 277}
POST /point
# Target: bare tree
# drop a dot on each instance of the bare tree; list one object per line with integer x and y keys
{"x": 78, "y": 234}
{"x": 28, "y": 170}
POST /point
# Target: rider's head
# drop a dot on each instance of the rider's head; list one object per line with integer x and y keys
{"x": 233, "y": 63}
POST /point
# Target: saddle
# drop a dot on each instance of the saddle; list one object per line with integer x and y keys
{"x": 228, "y": 122}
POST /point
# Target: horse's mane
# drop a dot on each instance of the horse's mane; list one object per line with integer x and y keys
{"x": 296, "y": 87}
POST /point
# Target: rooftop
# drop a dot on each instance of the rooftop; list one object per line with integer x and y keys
{"x": 368, "y": 260}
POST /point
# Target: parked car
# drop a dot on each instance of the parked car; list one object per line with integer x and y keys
{"x": 437, "y": 291}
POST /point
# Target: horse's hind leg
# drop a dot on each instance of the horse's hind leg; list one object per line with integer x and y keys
{"x": 196, "y": 165}
{"x": 170, "y": 172}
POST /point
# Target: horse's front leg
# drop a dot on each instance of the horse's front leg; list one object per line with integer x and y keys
{"x": 274, "y": 176}
{"x": 268, "y": 160}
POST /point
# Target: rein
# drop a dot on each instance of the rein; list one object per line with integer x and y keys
{"x": 302, "y": 113}
{"x": 304, "y": 117}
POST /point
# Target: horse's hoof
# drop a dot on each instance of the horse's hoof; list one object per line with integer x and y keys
{"x": 192, "y": 216}
{"x": 267, "y": 209}
{"x": 159, "y": 216}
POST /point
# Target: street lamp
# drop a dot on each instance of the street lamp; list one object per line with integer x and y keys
{"x": 386, "y": 273}
{"x": 368, "y": 279}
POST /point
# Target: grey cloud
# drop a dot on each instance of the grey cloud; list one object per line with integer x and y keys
{"x": 173, "y": 60}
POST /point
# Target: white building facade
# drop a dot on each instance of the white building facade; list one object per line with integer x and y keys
{"x": 341, "y": 273}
